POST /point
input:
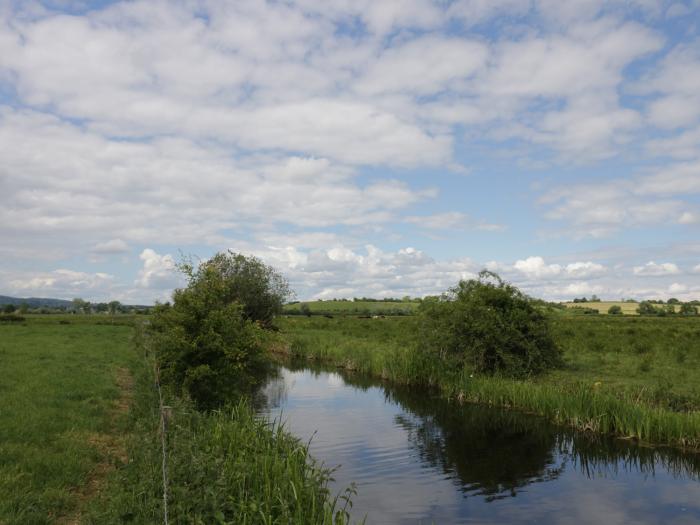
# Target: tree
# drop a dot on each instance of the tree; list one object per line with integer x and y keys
{"x": 615, "y": 309}
{"x": 646, "y": 308}
{"x": 208, "y": 341}
{"x": 688, "y": 309}
{"x": 304, "y": 309}
{"x": 489, "y": 326}
{"x": 257, "y": 287}
{"x": 78, "y": 304}
{"x": 673, "y": 300}
{"x": 114, "y": 307}
{"x": 9, "y": 308}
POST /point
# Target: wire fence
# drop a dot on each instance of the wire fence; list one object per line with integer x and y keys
{"x": 165, "y": 414}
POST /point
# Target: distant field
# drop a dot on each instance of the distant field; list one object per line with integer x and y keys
{"x": 60, "y": 391}
{"x": 603, "y": 306}
{"x": 355, "y": 307}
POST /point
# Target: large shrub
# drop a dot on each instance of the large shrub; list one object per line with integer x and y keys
{"x": 257, "y": 287}
{"x": 489, "y": 326}
{"x": 207, "y": 347}
{"x": 615, "y": 309}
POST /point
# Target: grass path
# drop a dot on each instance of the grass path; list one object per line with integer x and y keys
{"x": 111, "y": 446}
{"x": 63, "y": 389}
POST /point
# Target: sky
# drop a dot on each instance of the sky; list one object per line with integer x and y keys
{"x": 361, "y": 147}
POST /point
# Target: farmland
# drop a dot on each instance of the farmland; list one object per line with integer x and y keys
{"x": 344, "y": 307}
{"x": 63, "y": 388}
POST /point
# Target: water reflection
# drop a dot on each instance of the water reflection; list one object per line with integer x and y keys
{"x": 417, "y": 457}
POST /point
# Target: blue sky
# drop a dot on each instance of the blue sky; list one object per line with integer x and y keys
{"x": 362, "y": 148}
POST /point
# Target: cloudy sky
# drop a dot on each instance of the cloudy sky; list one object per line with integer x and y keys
{"x": 362, "y": 147}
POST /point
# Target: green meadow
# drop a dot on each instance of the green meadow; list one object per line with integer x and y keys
{"x": 635, "y": 377}
{"x": 63, "y": 383}
{"x": 347, "y": 307}
{"x": 80, "y": 427}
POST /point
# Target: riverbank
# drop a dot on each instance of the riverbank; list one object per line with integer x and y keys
{"x": 222, "y": 466}
{"x": 635, "y": 378}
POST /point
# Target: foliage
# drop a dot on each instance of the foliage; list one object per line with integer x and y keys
{"x": 615, "y": 309}
{"x": 8, "y": 308}
{"x": 11, "y": 318}
{"x": 206, "y": 346}
{"x": 258, "y": 288}
{"x": 688, "y": 309}
{"x": 647, "y": 308}
{"x": 227, "y": 466}
{"x": 491, "y": 326}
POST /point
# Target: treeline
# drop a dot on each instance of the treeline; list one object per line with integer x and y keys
{"x": 78, "y": 306}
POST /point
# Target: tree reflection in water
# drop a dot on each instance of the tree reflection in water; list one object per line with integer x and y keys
{"x": 495, "y": 453}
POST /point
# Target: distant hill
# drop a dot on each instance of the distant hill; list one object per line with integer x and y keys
{"x": 35, "y": 302}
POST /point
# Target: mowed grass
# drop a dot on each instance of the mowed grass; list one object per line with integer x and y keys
{"x": 631, "y": 376}
{"x": 58, "y": 386}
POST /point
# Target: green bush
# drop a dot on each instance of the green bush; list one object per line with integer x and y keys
{"x": 646, "y": 308}
{"x": 615, "y": 309}
{"x": 206, "y": 346}
{"x": 11, "y": 318}
{"x": 259, "y": 288}
{"x": 688, "y": 309}
{"x": 490, "y": 326}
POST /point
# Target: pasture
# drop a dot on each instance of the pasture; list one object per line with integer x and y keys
{"x": 64, "y": 390}
{"x": 353, "y": 307}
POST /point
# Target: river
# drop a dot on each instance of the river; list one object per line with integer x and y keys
{"x": 417, "y": 458}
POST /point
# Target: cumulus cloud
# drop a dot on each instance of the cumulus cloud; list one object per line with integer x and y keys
{"x": 451, "y": 221}
{"x": 653, "y": 269}
{"x": 61, "y": 283}
{"x": 600, "y": 209}
{"x": 209, "y": 124}
{"x": 536, "y": 268}
{"x": 159, "y": 271}
{"x": 111, "y": 247}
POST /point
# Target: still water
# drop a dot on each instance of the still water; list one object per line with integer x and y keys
{"x": 418, "y": 459}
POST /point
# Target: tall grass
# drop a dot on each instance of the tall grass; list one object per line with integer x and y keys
{"x": 609, "y": 396}
{"x": 225, "y": 466}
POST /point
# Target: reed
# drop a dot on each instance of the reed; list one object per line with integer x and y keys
{"x": 614, "y": 397}
{"x": 224, "y": 466}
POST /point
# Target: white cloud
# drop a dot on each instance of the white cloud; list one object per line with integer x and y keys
{"x": 653, "y": 269}
{"x": 423, "y": 66}
{"x": 110, "y": 247}
{"x": 676, "y": 80}
{"x": 602, "y": 208}
{"x": 159, "y": 271}
{"x": 61, "y": 283}
{"x": 677, "y": 288}
{"x": 581, "y": 270}
{"x": 452, "y": 221}
{"x": 535, "y": 268}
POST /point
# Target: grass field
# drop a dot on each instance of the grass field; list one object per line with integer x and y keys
{"x": 354, "y": 307}
{"x": 80, "y": 439}
{"x": 603, "y": 306}
{"x": 632, "y": 376}
{"x": 60, "y": 391}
